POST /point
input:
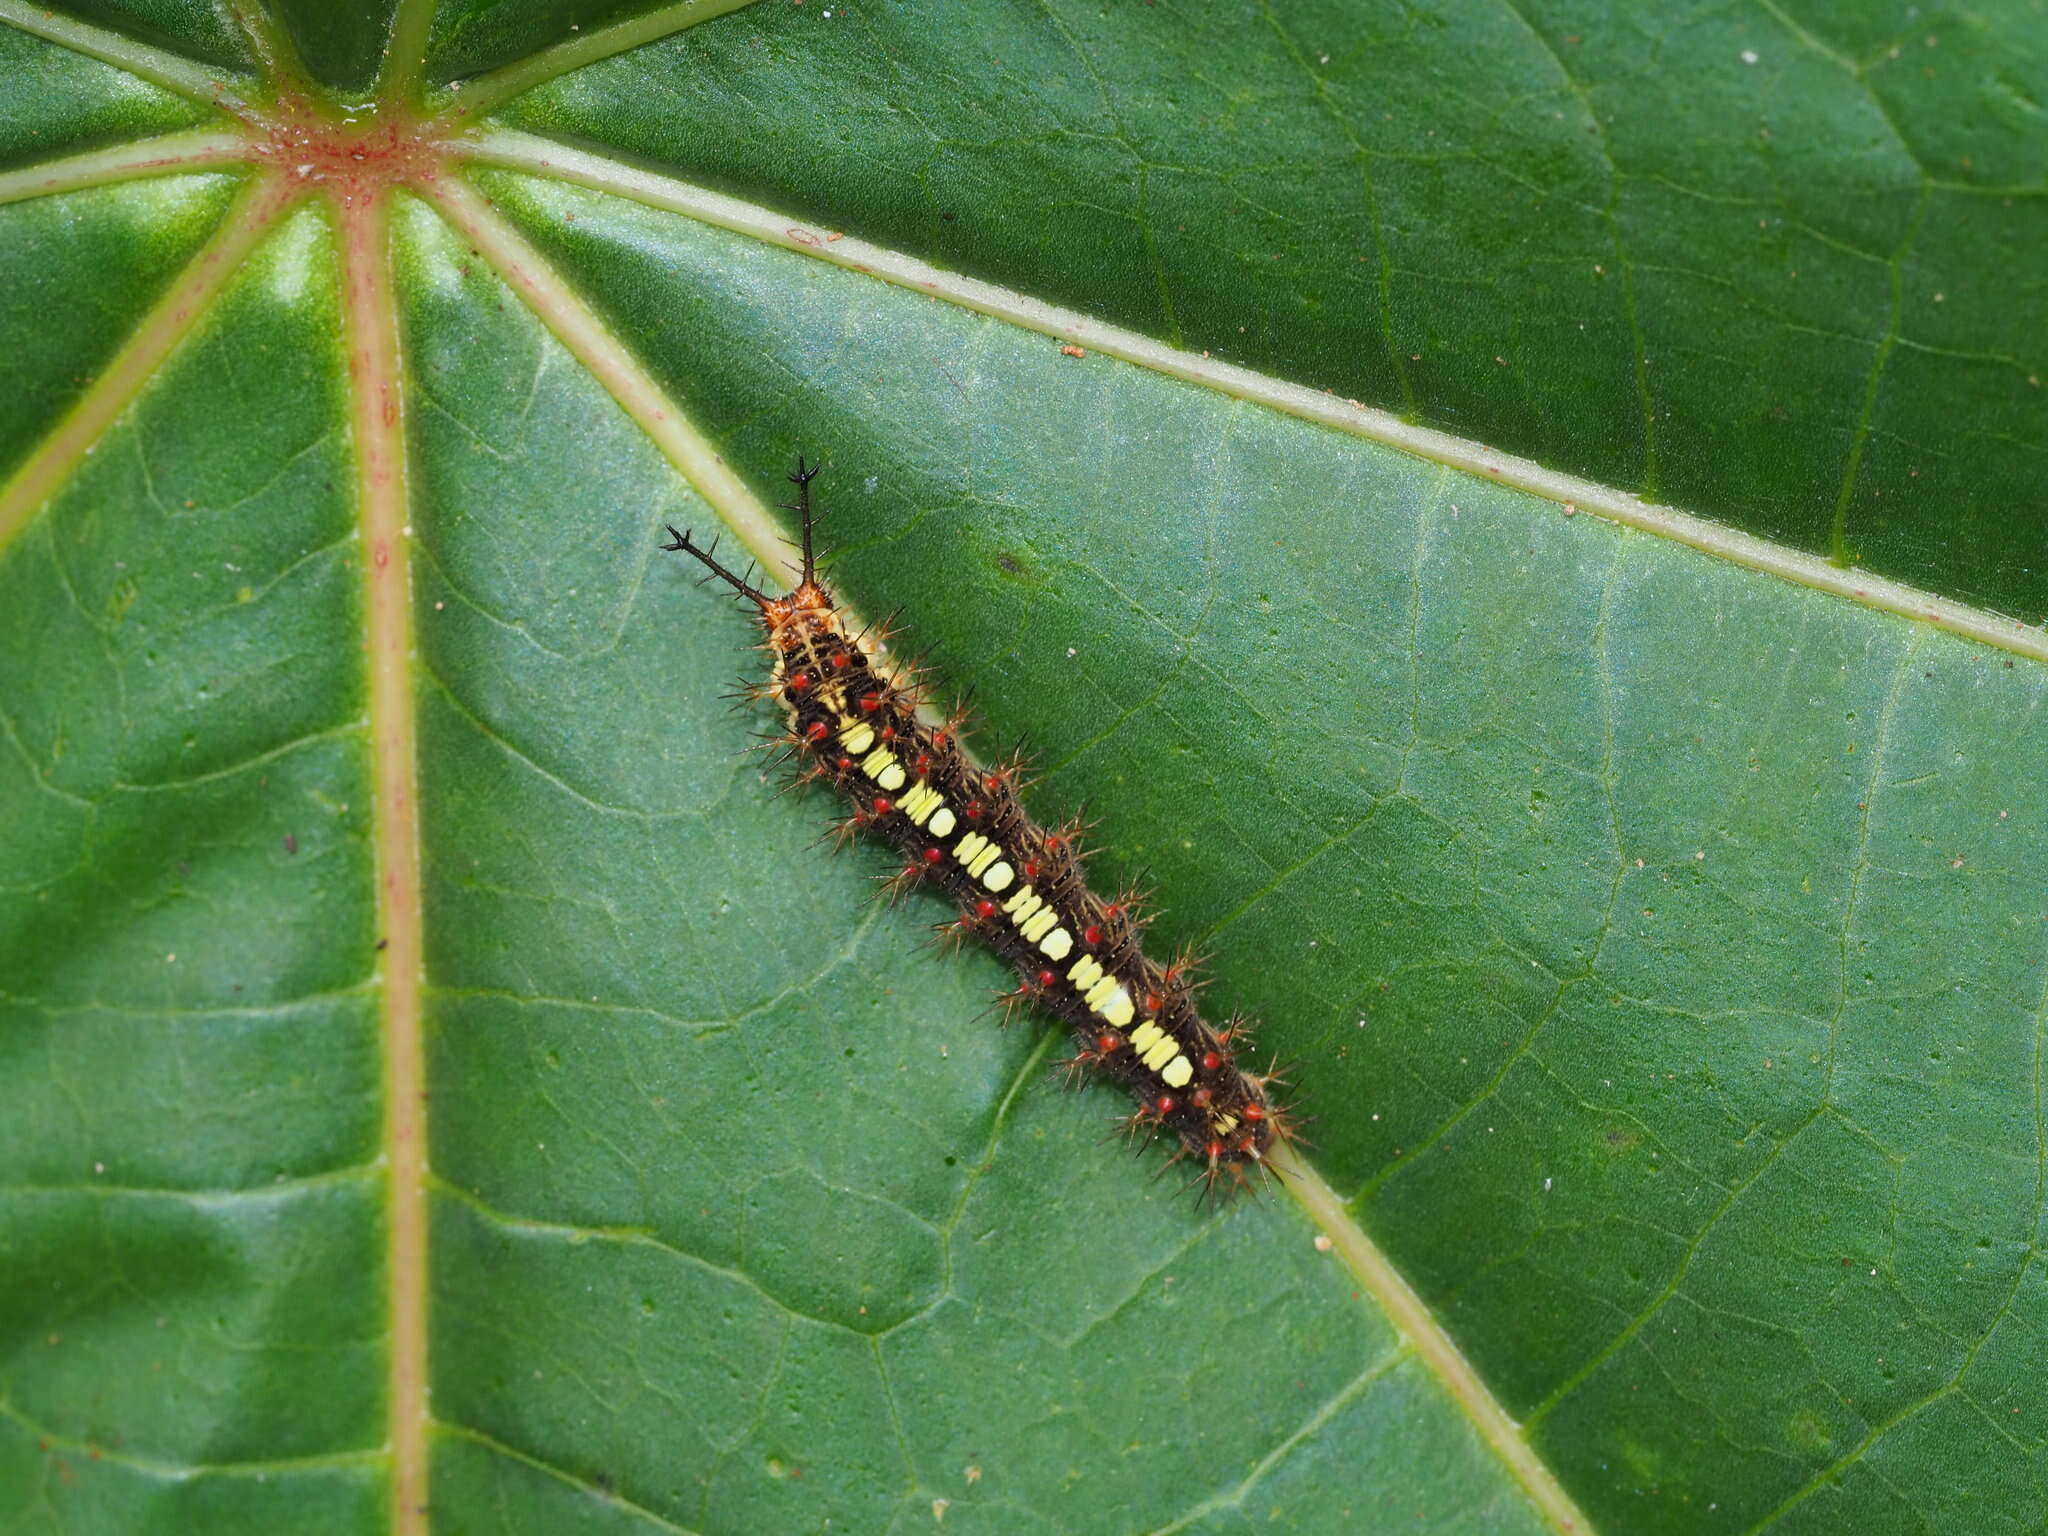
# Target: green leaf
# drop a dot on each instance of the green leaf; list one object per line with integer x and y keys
{"x": 442, "y": 1087}
{"x": 1770, "y": 264}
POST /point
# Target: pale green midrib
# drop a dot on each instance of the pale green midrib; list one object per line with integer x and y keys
{"x": 515, "y": 150}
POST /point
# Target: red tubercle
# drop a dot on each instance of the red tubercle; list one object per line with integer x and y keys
{"x": 1254, "y": 1112}
{"x": 1031, "y": 869}
{"x": 799, "y": 681}
{"x": 817, "y": 730}
{"x": 1212, "y": 1060}
{"x": 985, "y": 908}
{"x": 1092, "y": 934}
{"x": 1165, "y": 1104}
{"x": 1107, "y": 1042}
{"x": 933, "y": 855}
{"x": 870, "y": 702}
{"x": 884, "y": 805}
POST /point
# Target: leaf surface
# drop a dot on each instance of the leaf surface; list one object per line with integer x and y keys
{"x": 445, "y": 1088}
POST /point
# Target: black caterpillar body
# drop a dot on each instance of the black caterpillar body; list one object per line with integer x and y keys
{"x": 852, "y": 722}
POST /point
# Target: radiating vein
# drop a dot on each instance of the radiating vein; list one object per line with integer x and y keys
{"x": 203, "y": 83}
{"x": 1411, "y": 1315}
{"x": 545, "y": 157}
{"x": 190, "y": 149}
{"x": 566, "y": 313}
{"x": 399, "y": 82}
{"x": 484, "y": 92}
{"x": 176, "y": 315}
{"x": 376, "y": 417}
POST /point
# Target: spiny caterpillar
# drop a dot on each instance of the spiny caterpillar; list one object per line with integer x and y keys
{"x": 852, "y": 721}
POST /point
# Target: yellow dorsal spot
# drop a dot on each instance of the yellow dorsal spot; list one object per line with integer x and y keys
{"x": 1224, "y": 1124}
{"x": 1161, "y": 1053}
{"x": 1027, "y": 909}
{"x": 1177, "y": 1072}
{"x": 1145, "y": 1036}
{"x": 1117, "y": 1008}
{"x": 942, "y": 822}
{"x": 878, "y": 764}
{"x": 1086, "y": 972}
{"x": 998, "y": 877}
{"x": 1056, "y": 945}
{"x": 976, "y": 852}
{"x": 1099, "y": 995}
{"x": 919, "y": 804}
{"x": 857, "y": 737}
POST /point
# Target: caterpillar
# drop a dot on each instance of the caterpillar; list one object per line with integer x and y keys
{"x": 852, "y": 720}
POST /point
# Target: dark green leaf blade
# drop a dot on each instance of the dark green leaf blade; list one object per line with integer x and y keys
{"x": 1394, "y": 747}
{"x": 822, "y": 1165}
{"x": 59, "y": 102}
{"x": 1658, "y": 943}
{"x": 190, "y": 1102}
{"x": 1770, "y": 267}
{"x": 77, "y": 274}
